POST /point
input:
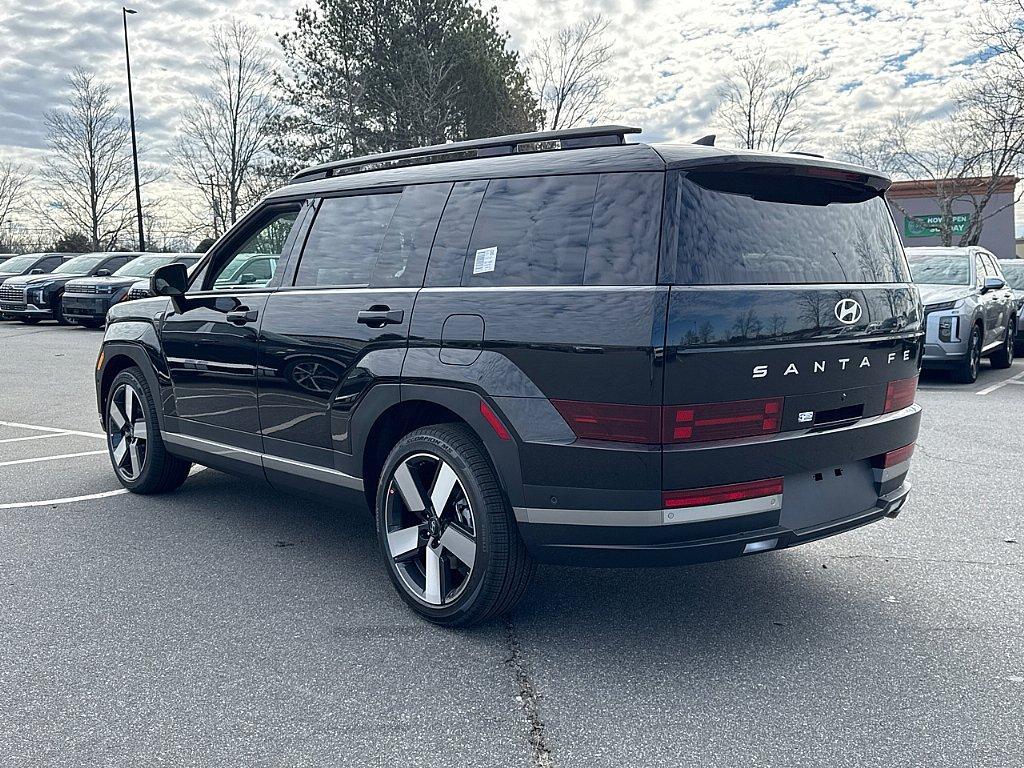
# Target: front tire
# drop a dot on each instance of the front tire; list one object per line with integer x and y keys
{"x": 1003, "y": 358}
{"x": 446, "y": 532}
{"x": 137, "y": 453}
{"x": 967, "y": 371}
{"x": 58, "y": 312}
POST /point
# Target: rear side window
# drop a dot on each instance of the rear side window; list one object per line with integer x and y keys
{"x": 745, "y": 228}
{"x": 531, "y": 231}
{"x": 592, "y": 229}
{"x": 345, "y": 240}
{"x": 403, "y": 255}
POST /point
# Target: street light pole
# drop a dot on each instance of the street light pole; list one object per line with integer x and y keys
{"x": 131, "y": 115}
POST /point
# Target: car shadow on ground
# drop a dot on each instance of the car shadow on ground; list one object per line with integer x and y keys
{"x": 758, "y": 602}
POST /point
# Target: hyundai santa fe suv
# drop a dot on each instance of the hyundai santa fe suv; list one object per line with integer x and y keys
{"x": 557, "y": 347}
{"x": 969, "y": 308}
{"x": 1013, "y": 271}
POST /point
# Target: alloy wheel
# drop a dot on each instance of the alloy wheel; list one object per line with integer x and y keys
{"x": 127, "y": 433}
{"x": 431, "y": 533}
{"x": 975, "y": 353}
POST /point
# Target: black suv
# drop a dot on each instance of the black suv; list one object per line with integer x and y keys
{"x": 87, "y": 299}
{"x": 557, "y": 347}
{"x": 35, "y": 297}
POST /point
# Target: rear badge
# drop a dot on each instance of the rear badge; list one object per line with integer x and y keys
{"x": 805, "y": 417}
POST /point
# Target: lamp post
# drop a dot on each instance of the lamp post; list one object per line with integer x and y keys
{"x": 131, "y": 115}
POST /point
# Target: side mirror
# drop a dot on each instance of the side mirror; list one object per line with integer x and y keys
{"x": 993, "y": 284}
{"x": 102, "y": 273}
{"x": 37, "y": 271}
{"x": 169, "y": 280}
{"x": 247, "y": 279}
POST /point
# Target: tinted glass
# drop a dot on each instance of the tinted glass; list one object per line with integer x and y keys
{"x": 255, "y": 262}
{"x": 1014, "y": 274}
{"x": 738, "y": 228}
{"x": 623, "y": 243}
{"x": 143, "y": 266}
{"x": 345, "y": 240}
{"x": 403, "y": 255}
{"x": 80, "y": 265}
{"x": 532, "y": 231}
{"x": 940, "y": 269}
{"x": 448, "y": 256}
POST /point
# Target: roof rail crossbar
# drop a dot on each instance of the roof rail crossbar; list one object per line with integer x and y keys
{"x": 568, "y": 138}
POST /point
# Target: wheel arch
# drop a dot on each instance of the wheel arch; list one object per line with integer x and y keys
{"x": 118, "y": 357}
{"x": 423, "y": 405}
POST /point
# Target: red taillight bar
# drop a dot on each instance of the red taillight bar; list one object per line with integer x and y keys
{"x": 718, "y": 494}
{"x": 900, "y": 394}
{"x": 609, "y": 421}
{"x": 721, "y": 421}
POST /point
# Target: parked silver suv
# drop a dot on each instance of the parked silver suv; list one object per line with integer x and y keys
{"x": 1013, "y": 271}
{"x": 970, "y": 311}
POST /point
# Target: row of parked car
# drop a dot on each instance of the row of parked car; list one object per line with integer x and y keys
{"x": 80, "y": 288}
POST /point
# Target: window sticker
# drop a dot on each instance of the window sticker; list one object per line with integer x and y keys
{"x": 484, "y": 261}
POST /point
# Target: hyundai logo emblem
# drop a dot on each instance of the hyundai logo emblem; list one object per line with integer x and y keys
{"x": 848, "y": 311}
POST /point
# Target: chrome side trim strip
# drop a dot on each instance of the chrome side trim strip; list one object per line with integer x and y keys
{"x": 648, "y": 517}
{"x": 279, "y": 463}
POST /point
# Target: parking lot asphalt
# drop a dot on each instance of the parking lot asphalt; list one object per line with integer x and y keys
{"x": 232, "y": 624}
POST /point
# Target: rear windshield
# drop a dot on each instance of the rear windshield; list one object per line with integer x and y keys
{"x": 1014, "y": 274}
{"x": 749, "y": 228}
{"x": 933, "y": 269}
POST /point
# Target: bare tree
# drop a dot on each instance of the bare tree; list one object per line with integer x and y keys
{"x": 568, "y": 71}
{"x": 1001, "y": 30}
{"x": 88, "y": 182}
{"x": 762, "y": 101}
{"x": 13, "y": 180}
{"x": 222, "y": 152}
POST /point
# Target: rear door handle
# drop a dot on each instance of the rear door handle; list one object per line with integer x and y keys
{"x": 380, "y": 315}
{"x": 242, "y": 316}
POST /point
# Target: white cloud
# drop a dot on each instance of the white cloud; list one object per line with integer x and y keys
{"x": 670, "y": 57}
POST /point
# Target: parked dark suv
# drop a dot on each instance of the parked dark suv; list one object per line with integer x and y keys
{"x": 35, "y": 297}
{"x": 87, "y": 299}
{"x": 555, "y": 347}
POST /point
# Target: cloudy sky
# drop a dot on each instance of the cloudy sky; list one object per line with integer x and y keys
{"x": 670, "y": 56}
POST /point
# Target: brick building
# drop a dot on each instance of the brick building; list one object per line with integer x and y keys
{"x": 919, "y": 199}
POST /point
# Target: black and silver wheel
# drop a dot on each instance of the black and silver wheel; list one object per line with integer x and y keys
{"x": 446, "y": 531}
{"x": 1003, "y": 357}
{"x": 136, "y": 449}
{"x": 967, "y": 371}
{"x": 127, "y": 432}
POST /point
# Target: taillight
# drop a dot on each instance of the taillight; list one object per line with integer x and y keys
{"x": 900, "y": 394}
{"x": 718, "y": 494}
{"x": 608, "y": 421}
{"x": 898, "y": 456}
{"x": 721, "y": 421}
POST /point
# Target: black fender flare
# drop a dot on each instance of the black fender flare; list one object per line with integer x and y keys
{"x": 113, "y": 353}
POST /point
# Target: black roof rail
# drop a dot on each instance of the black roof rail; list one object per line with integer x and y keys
{"x": 805, "y": 154}
{"x": 568, "y": 138}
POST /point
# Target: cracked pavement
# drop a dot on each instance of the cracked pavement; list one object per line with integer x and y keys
{"x": 231, "y": 624}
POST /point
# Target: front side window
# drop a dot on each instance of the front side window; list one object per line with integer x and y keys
{"x": 935, "y": 269}
{"x": 1014, "y": 274}
{"x": 733, "y": 228}
{"x": 254, "y": 263}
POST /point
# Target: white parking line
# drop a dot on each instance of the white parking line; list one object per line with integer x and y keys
{"x": 34, "y": 437}
{"x": 68, "y": 500}
{"x": 38, "y": 428}
{"x": 51, "y": 458}
{"x": 1012, "y": 380}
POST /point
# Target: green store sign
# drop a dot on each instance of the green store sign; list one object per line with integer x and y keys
{"x": 928, "y": 226}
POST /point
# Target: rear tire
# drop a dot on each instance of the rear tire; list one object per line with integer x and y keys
{"x": 137, "y": 453}
{"x": 967, "y": 371}
{"x": 1003, "y": 357}
{"x": 463, "y": 533}
{"x": 29, "y": 320}
{"x": 90, "y": 323}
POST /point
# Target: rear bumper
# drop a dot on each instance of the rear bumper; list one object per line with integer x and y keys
{"x": 630, "y": 547}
